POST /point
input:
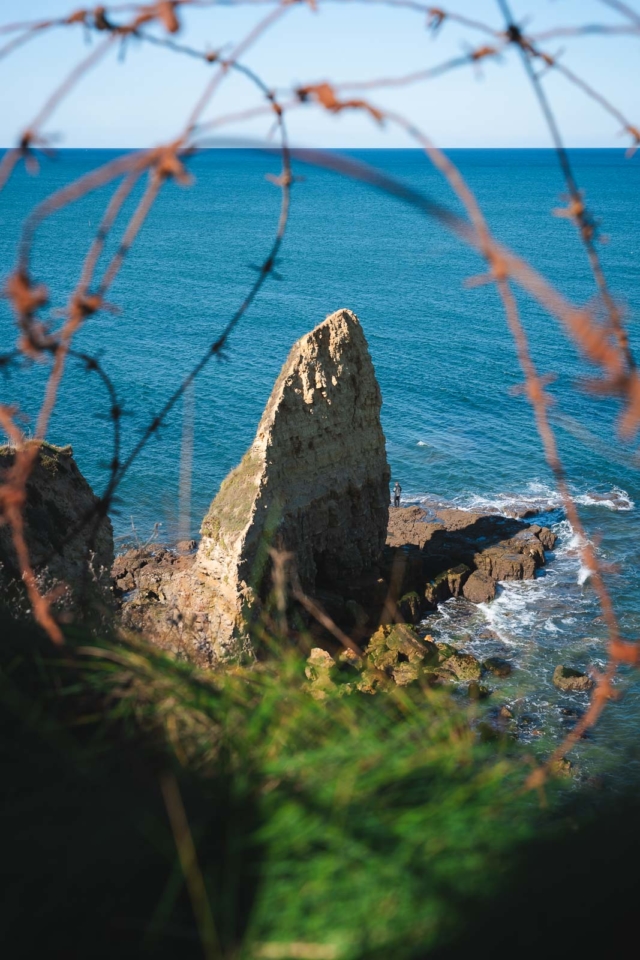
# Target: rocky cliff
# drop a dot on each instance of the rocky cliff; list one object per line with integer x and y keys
{"x": 314, "y": 483}
{"x": 68, "y": 556}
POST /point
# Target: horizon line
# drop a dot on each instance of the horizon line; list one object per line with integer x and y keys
{"x": 278, "y": 149}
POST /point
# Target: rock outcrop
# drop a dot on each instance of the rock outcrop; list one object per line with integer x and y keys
{"x": 449, "y": 552}
{"x": 75, "y": 564}
{"x": 570, "y": 680}
{"x": 313, "y": 484}
{"x": 396, "y": 655}
{"x": 479, "y": 588}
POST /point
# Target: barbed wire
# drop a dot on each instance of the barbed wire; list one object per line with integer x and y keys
{"x": 605, "y": 346}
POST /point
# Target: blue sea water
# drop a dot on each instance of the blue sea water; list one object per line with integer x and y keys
{"x": 457, "y": 427}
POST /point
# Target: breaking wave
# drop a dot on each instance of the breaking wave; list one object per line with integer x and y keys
{"x": 537, "y": 498}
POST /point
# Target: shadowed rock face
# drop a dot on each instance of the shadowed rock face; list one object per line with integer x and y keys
{"x": 58, "y": 500}
{"x": 314, "y": 482}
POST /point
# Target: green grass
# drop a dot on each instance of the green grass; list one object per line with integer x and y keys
{"x": 354, "y": 826}
{"x": 231, "y": 508}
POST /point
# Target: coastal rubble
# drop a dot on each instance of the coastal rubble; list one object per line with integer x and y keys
{"x": 428, "y": 558}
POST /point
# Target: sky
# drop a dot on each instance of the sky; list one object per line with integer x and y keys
{"x": 145, "y": 96}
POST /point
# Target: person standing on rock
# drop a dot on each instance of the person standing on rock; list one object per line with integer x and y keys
{"x": 397, "y": 490}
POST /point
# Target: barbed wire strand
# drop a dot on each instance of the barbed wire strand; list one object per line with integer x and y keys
{"x": 614, "y": 358}
{"x": 166, "y": 165}
{"x": 284, "y": 181}
{"x": 577, "y": 209}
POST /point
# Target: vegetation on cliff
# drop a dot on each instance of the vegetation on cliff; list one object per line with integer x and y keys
{"x": 351, "y": 823}
{"x": 152, "y": 809}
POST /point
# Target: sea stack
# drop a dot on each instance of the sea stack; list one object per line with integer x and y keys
{"x": 314, "y": 482}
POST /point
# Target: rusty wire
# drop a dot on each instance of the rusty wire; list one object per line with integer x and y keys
{"x": 605, "y": 347}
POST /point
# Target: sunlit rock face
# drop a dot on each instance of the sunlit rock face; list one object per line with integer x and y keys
{"x": 315, "y": 482}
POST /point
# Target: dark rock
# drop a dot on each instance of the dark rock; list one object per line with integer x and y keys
{"x": 457, "y": 577}
{"x": 501, "y": 563}
{"x": 67, "y": 552}
{"x": 478, "y": 691}
{"x": 570, "y": 680}
{"x": 409, "y": 608}
{"x": 497, "y": 666}
{"x": 479, "y": 588}
{"x": 398, "y": 650}
{"x": 528, "y": 544}
{"x": 437, "y": 590}
{"x": 442, "y": 557}
{"x": 151, "y": 582}
{"x": 445, "y": 650}
{"x": 392, "y": 642}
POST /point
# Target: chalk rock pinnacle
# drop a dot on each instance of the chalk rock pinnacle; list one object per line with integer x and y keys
{"x": 314, "y": 482}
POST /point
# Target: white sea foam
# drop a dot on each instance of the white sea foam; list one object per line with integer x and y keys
{"x": 538, "y": 623}
{"x": 584, "y": 573}
{"x": 543, "y": 611}
{"x": 615, "y": 499}
{"x": 536, "y": 498}
{"x": 529, "y": 610}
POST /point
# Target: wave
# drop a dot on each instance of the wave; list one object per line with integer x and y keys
{"x": 547, "y": 610}
{"x": 537, "y": 498}
{"x": 615, "y": 499}
{"x": 583, "y": 574}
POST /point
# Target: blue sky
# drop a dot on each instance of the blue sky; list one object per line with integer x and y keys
{"x": 145, "y": 99}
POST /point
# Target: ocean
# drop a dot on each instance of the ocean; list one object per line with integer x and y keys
{"x": 458, "y": 428}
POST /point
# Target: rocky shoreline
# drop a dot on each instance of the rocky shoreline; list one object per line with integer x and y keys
{"x": 428, "y": 558}
{"x": 299, "y": 545}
